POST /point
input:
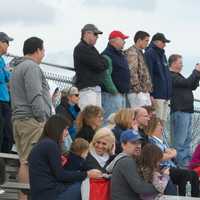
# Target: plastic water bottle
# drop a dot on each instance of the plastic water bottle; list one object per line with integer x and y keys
{"x": 188, "y": 189}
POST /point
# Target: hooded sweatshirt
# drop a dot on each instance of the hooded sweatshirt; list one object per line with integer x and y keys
{"x": 29, "y": 91}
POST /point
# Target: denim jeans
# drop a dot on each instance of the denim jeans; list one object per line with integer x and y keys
{"x": 112, "y": 103}
{"x": 181, "y": 135}
{"x": 72, "y": 192}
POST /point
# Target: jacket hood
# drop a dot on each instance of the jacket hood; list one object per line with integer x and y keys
{"x": 153, "y": 46}
{"x": 16, "y": 61}
{"x": 110, "y": 167}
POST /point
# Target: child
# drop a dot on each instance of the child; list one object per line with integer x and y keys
{"x": 148, "y": 167}
{"x": 76, "y": 157}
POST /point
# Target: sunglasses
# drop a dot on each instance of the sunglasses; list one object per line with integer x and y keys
{"x": 77, "y": 95}
{"x": 6, "y": 41}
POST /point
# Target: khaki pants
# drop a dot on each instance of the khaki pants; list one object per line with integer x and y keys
{"x": 162, "y": 108}
{"x": 27, "y": 132}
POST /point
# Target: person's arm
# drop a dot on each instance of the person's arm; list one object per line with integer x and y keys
{"x": 128, "y": 170}
{"x": 169, "y": 154}
{"x": 133, "y": 63}
{"x": 33, "y": 87}
{"x": 160, "y": 181}
{"x": 191, "y": 82}
{"x": 92, "y": 59}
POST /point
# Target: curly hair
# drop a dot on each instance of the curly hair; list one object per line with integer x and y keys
{"x": 87, "y": 116}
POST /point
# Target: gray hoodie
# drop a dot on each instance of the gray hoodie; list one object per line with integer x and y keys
{"x": 29, "y": 90}
{"x": 126, "y": 184}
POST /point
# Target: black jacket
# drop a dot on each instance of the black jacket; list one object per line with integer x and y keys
{"x": 92, "y": 163}
{"x": 117, "y": 130}
{"x": 182, "y": 96}
{"x": 89, "y": 66}
{"x": 63, "y": 109}
{"x": 87, "y": 133}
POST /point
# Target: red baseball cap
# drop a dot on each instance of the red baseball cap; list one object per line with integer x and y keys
{"x": 117, "y": 34}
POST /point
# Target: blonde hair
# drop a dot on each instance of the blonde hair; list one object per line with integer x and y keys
{"x": 102, "y": 133}
{"x": 124, "y": 117}
{"x": 79, "y": 145}
{"x": 87, "y": 115}
{"x": 152, "y": 125}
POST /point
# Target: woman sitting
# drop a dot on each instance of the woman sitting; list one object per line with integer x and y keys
{"x": 48, "y": 180}
{"x": 124, "y": 119}
{"x": 88, "y": 121}
{"x": 101, "y": 150}
{"x": 69, "y": 108}
{"x": 148, "y": 166}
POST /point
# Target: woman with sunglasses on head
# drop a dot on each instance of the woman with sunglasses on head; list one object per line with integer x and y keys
{"x": 69, "y": 108}
{"x": 48, "y": 180}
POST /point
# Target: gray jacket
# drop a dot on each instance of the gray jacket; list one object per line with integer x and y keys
{"x": 29, "y": 89}
{"x": 126, "y": 184}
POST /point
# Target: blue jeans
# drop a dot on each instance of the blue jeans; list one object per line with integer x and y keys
{"x": 181, "y": 134}
{"x": 72, "y": 192}
{"x": 112, "y": 103}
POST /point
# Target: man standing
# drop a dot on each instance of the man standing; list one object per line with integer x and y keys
{"x": 6, "y": 135}
{"x": 31, "y": 102}
{"x": 182, "y": 108}
{"x": 141, "y": 86}
{"x": 120, "y": 74}
{"x": 160, "y": 75}
{"x": 89, "y": 66}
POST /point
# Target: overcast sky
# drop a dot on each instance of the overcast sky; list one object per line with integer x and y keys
{"x": 58, "y": 22}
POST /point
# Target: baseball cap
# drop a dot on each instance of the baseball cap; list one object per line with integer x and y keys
{"x": 117, "y": 34}
{"x": 92, "y": 28}
{"x": 129, "y": 135}
{"x": 70, "y": 91}
{"x": 5, "y": 37}
{"x": 161, "y": 37}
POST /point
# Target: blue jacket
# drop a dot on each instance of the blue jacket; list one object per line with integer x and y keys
{"x": 120, "y": 73}
{"x": 4, "y": 78}
{"x": 48, "y": 179}
{"x": 159, "y": 71}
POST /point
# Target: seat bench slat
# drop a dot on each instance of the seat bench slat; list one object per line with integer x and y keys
{"x": 13, "y": 185}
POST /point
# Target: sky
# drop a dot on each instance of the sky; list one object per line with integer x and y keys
{"x": 58, "y": 23}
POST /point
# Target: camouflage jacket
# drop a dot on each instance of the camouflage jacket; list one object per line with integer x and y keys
{"x": 140, "y": 77}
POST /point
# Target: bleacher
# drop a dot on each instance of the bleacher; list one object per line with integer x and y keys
{"x": 10, "y": 188}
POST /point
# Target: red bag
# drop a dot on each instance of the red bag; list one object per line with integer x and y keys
{"x": 99, "y": 189}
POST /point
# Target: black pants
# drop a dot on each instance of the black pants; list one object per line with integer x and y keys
{"x": 180, "y": 177}
{"x": 6, "y": 133}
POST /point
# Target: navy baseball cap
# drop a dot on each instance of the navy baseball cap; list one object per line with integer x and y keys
{"x": 130, "y": 135}
{"x": 5, "y": 37}
{"x": 161, "y": 37}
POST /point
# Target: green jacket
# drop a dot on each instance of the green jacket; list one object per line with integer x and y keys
{"x": 107, "y": 82}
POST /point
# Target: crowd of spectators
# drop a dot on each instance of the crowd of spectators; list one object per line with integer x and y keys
{"x": 108, "y": 126}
